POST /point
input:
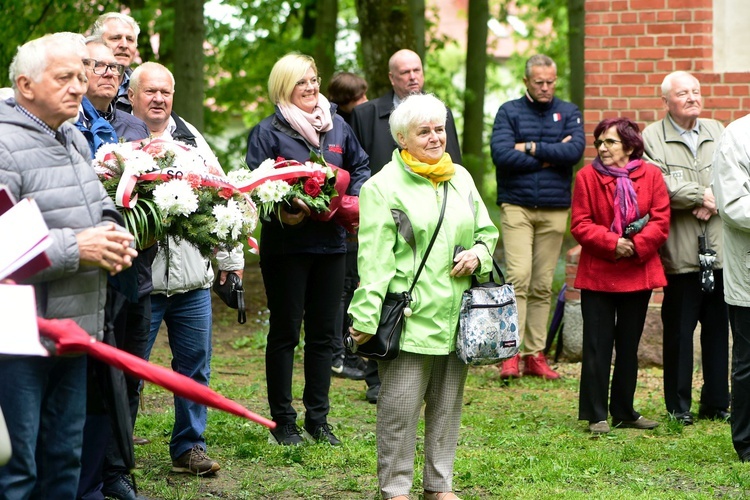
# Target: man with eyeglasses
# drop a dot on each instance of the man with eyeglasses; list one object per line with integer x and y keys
{"x": 120, "y": 33}
{"x": 536, "y": 141}
{"x": 99, "y": 120}
{"x": 682, "y": 144}
{"x": 128, "y": 307}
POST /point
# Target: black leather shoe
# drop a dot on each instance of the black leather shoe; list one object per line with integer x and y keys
{"x": 372, "y": 393}
{"x": 684, "y": 417}
{"x": 341, "y": 369}
{"x": 121, "y": 489}
{"x": 323, "y": 434}
{"x": 707, "y": 413}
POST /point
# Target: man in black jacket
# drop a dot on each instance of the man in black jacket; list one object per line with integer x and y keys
{"x": 370, "y": 120}
{"x": 536, "y": 141}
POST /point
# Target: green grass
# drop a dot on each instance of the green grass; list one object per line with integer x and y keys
{"x": 517, "y": 441}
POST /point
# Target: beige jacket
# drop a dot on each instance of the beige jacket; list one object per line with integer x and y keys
{"x": 687, "y": 178}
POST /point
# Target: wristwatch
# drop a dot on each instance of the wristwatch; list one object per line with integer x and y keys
{"x": 528, "y": 147}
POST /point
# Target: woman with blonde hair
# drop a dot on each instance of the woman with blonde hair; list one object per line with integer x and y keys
{"x": 302, "y": 260}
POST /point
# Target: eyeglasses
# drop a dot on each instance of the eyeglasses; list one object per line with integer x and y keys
{"x": 314, "y": 81}
{"x": 608, "y": 143}
{"x": 100, "y": 67}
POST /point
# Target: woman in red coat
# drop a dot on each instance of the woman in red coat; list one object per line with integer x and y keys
{"x": 620, "y": 217}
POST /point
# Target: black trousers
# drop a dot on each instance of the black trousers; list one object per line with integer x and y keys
{"x": 131, "y": 335}
{"x": 739, "y": 318}
{"x": 101, "y": 460}
{"x": 610, "y": 320}
{"x": 301, "y": 287}
{"x": 685, "y": 304}
{"x": 351, "y": 280}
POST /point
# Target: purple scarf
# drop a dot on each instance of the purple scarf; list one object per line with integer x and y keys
{"x": 626, "y": 201}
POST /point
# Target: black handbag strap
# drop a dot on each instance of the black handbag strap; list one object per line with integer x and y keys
{"x": 475, "y": 281}
{"x": 241, "y": 312}
{"x": 432, "y": 241}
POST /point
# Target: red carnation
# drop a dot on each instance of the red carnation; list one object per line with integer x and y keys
{"x": 312, "y": 188}
{"x": 226, "y": 193}
{"x": 194, "y": 180}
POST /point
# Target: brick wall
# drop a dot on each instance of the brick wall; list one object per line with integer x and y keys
{"x": 630, "y": 45}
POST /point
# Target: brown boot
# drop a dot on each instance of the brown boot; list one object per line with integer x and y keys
{"x": 509, "y": 367}
{"x": 536, "y": 366}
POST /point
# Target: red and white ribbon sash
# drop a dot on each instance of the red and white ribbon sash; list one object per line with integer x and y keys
{"x": 279, "y": 174}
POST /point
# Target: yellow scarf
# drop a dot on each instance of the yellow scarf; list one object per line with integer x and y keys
{"x": 441, "y": 171}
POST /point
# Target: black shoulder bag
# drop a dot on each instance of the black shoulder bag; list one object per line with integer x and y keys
{"x": 386, "y": 343}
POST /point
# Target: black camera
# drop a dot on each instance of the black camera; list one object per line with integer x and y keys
{"x": 706, "y": 259}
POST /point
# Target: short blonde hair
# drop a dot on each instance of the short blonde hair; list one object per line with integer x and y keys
{"x": 416, "y": 109}
{"x": 285, "y": 74}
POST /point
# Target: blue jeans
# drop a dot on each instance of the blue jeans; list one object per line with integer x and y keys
{"x": 188, "y": 319}
{"x": 44, "y": 403}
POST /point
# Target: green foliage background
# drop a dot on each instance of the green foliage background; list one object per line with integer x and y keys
{"x": 243, "y": 45}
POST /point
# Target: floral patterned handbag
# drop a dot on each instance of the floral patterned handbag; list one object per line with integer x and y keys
{"x": 488, "y": 322}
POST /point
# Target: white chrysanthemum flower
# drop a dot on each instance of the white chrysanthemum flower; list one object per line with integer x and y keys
{"x": 266, "y": 164}
{"x": 240, "y": 176}
{"x": 106, "y": 167}
{"x": 176, "y": 197}
{"x": 188, "y": 161}
{"x": 107, "y": 148}
{"x": 272, "y": 191}
{"x": 137, "y": 161}
{"x": 228, "y": 220}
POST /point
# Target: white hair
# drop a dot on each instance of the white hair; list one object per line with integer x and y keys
{"x": 31, "y": 58}
{"x": 666, "y": 84}
{"x": 98, "y": 29}
{"x": 416, "y": 109}
{"x": 135, "y": 76}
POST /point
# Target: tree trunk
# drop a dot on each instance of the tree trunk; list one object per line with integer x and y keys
{"x": 417, "y": 8}
{"x": 476, "y": 77}
{"x": 576, "y": 31}
{"x": 325, "y": 39}
{"x": 188, "y": 61}
{"x": 385, "y": 26}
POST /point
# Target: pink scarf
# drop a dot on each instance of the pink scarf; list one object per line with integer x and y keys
{"x": 309, "y": 124}
{"x": 626, "y": 200}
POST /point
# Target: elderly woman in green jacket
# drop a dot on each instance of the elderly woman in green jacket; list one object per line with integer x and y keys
{"x": 399, "y": 209}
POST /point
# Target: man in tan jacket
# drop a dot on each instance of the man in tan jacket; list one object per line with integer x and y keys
{"x": 682, "y": 145}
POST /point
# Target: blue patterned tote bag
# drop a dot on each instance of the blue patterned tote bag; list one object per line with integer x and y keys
{"x": 488, "y": 322}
